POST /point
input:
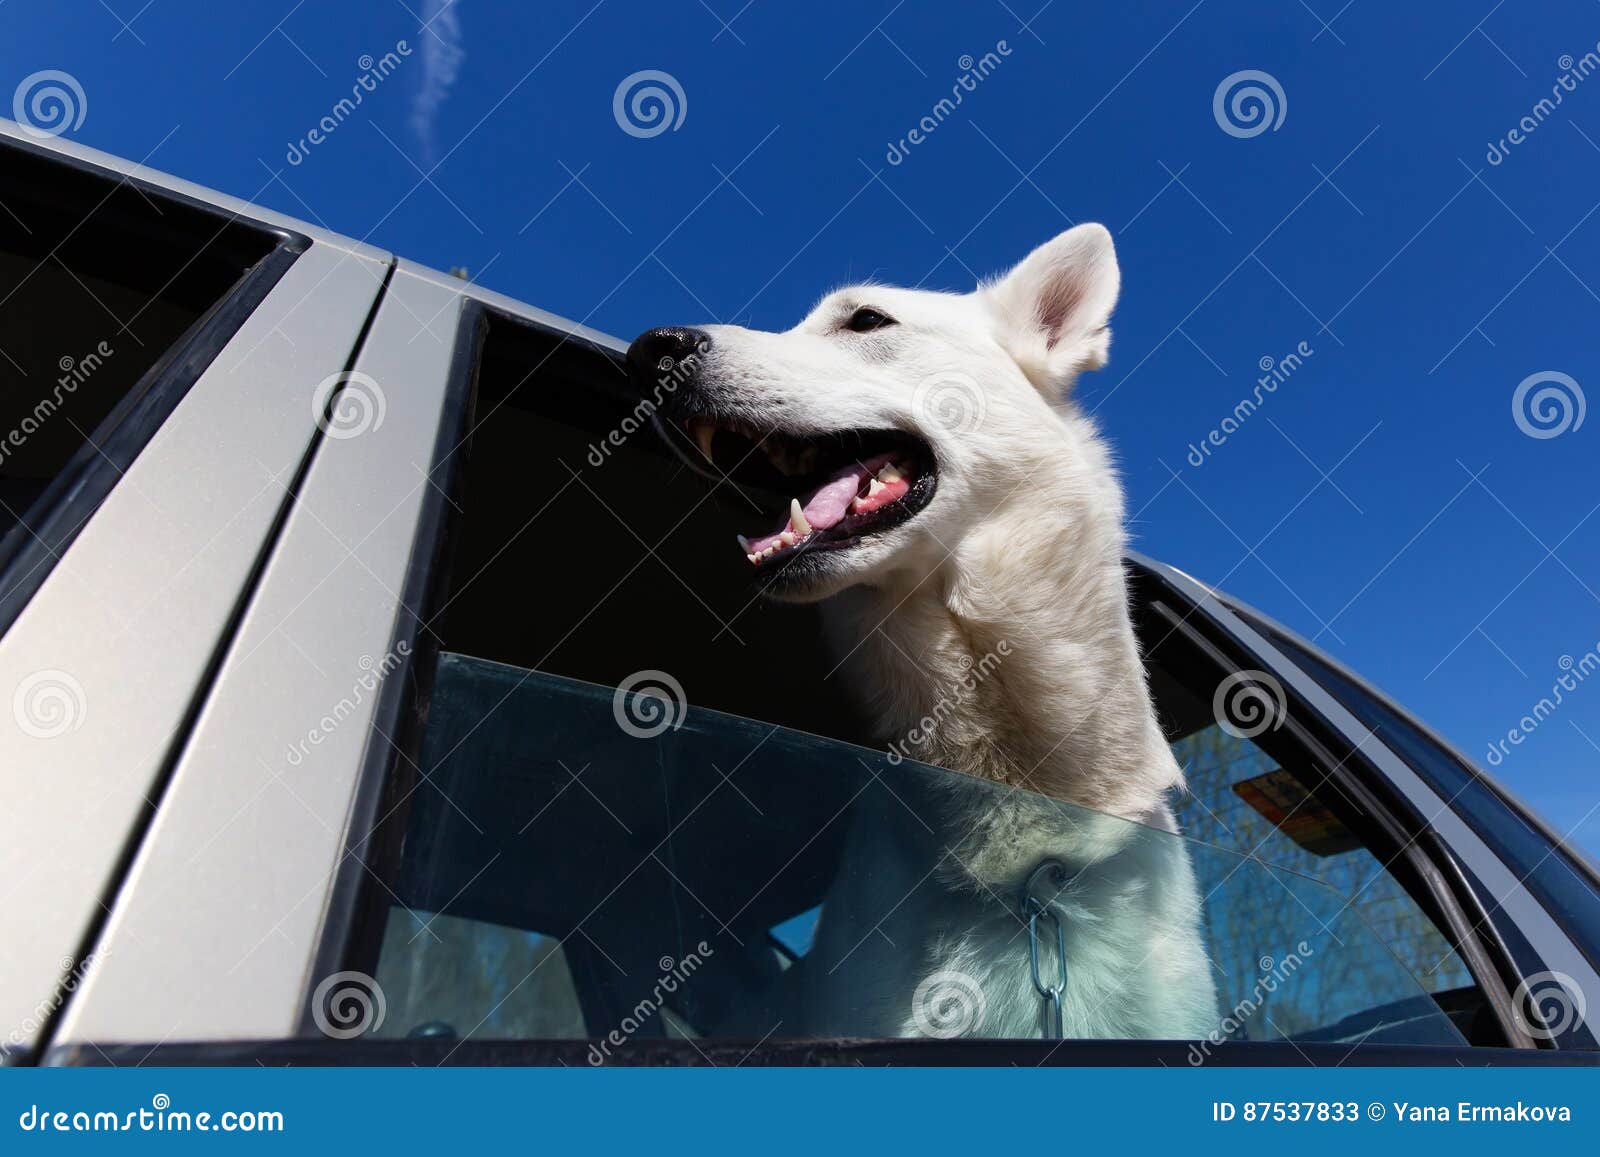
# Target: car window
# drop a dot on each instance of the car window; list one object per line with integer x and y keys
{"x": 1539, "y": 859}
{"x": 617, "y": 818}
{"x": 1252, "y": 787}
{"x": 611, "y": 864}
{"x": 105, "y": 289}
{"x": 1240, "y": 798}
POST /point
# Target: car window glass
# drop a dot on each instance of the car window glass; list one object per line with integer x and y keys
{"x": 1239, "y": 798}
{"x": 1254, "y": 788}
{"x": 659, "y": 846}
{"x": 1542, "y": 865}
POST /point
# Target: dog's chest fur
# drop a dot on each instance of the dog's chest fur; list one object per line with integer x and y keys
{"x": 1018, "y": 649}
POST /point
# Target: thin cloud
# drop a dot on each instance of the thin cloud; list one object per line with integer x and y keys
{"x": 442, "y": 55}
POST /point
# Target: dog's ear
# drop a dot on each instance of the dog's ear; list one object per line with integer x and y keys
{"x": 1053, "y": 308}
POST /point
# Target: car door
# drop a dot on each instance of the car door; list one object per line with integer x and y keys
{"x": 1532, "y": 895}
{"x": 448, "y": 798}
{"x": 161, "y": 347}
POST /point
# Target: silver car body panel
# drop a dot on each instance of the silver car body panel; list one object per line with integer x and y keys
{"x": 212, "y": 935}
{"x": 514, "y": 308}
{"x": 130, "y": 618}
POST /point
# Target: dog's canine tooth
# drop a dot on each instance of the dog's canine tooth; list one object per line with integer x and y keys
{"x": 744, "y": 543}
{"x": 891, "y": 473}
{"x": 703, "y": 433}
{"x": 797, "y": 518}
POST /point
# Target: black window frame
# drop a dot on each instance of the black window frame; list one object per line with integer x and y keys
{"x": 52, "y": 521}
{"x": 369, "y": 1051}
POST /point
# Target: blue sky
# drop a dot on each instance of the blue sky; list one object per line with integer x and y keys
{"x": 1383, "y": 499}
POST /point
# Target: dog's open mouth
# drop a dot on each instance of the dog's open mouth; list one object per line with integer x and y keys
{"x": 833, "y": 491}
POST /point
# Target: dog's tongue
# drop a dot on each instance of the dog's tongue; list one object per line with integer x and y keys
{"x": 829, "y": 503}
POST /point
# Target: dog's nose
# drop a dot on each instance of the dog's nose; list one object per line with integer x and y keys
{"x": 668, "y": 350}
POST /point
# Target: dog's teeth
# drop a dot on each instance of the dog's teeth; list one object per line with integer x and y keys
{"x": 859, "y": 503}
{"x": 703, "y": 432}
{"x": 752, "y": 556}
{"x": 891, "y": 473}
{"x": 797, "y": 518}
{"x": 787, "y": 538}
{"x": 744, "y": 543}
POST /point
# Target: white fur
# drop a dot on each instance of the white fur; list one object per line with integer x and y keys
{"x": 1022, "y": 545}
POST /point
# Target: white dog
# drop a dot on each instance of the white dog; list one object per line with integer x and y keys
{"x": 946, "y": 487}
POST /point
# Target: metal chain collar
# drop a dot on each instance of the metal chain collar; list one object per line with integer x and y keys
{"x": 1043, "y": 886}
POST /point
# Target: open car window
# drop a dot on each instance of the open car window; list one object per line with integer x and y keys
{"x": 606, "y": 864}
{"x": 568, "y": 851}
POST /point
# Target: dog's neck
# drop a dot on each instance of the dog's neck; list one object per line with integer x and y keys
{"x": 1014, "y": 657}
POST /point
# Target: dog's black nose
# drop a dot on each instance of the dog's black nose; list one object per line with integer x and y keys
{"x": 670, "y": 350}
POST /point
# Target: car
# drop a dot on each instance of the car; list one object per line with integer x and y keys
{"x": 378, "y": 696}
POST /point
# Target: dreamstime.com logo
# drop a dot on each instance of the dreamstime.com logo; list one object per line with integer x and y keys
{"x": 48, "y": 704}
{"x": 347, "y": 405}
{"x": 1249, "y": 703}
{"x": 49, "y": 103}
{"x": 1573, "y": 674}
{"x": 647, "y": 703}
{"x": 672, "y": 375}
{"x": 74, "y": 372}
{"x": 973, "y": 73}
{"x": 649, "y": 103}
{"x": 160, "y": 1117}
{"x": 373, "y": 73}
{"x": 1573, "y": 73}
{"x": 1548, "y": 404}
{"x": 1547, "y": 1005}
{"x": 1248, "y": 103}
{"x": 347, "y": 1004}
{"x": 372, "y": 674}
{"x": 1274, "y": 373}
{"x": 948, "y": 1004}
{"x": 951, "y": 400}
{"x": 674, "y": 975}
{"x": 973, "y": 674}
{"x": 73, "y": 974}
{"x": 1274, "y": 972}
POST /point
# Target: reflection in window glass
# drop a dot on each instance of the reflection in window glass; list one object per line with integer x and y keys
{"x": 666, "y": 864}
{"x": 1238, "y": 798}
{"x": 445, "y": 976}
{"x": 797, "y": 933}
{"x": 1542, "y": 866}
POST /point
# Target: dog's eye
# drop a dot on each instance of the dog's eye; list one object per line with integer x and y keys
{"x": 866, "y": 320}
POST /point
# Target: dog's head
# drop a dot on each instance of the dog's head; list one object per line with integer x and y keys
{"x": 890, "y": 422}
